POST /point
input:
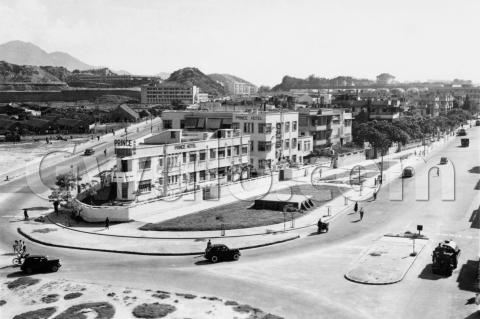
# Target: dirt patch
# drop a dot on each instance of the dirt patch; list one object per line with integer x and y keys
{"x": 153, "y": 310}
{"x": 43, "y": 313}
{"x": 44, "y": 230}
{"x": 103, "y": 310}
{"x": 72, "y": 295}
{"x": 50, "y": 298}
{"x": 22, "y": 282}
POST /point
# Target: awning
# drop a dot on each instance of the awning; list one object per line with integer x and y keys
{"x": 213, "y": 124}
{"x": 191, "y": 122}
{"x": 226, "y": 123}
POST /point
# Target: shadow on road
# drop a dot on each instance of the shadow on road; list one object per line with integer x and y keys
{"x": 356, "y": 221}
{"x": 474, "y": 170}
{"x": 475, "y": 219}
{"x": 428, "y": 274}
{"x": 475, "y": 315}
{"x": 468, "y": 276}
{"x": 203, "y": 262}
{"x": 477, "y": 187}
{"x": 16, "y": 274}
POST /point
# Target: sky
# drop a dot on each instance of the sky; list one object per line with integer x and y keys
{"x": 258, "y": 40}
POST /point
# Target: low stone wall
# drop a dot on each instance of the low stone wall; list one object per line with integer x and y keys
{"x": 93, "y": 214}
{"x": 350, "y": 158}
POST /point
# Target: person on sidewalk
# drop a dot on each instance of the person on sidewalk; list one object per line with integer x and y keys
{"x": 361, "y": 213}
{"x": 16, "y": 247}
{"x": 107, "y": 223}
{"x": 375, "y": 195}
{"x": 355, "y": 208}
{"x": 105, "y": 152}
{"x": 209, "y": 244}
{"x": 25, "y": 214}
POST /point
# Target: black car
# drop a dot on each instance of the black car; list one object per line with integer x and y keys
{"x": 221, "y": 252}
{"x": 89, "y": 151}
{"x": 38, "y": 263}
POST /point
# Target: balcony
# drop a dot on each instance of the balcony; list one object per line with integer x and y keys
{"x": 123, "y": 177}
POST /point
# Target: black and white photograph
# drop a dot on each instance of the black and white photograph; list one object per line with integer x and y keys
{"x": 239, "y": 159}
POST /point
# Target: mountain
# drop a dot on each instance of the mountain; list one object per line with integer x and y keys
{"x": 25, "y": 53}
{"x": 227, "y": 80}
{"x": 313, "y": 82}
{"x": 31, "y": 77}
{"x": 193, "y": 76}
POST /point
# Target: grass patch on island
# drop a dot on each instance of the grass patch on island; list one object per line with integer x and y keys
{"x": 240, "y": 214}
{"x": 43, "y": 313}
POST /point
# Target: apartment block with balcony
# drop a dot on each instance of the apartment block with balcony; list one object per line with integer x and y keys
{"x": 167, "y": 93}
{"x": 174, "y": 162}
{"x": 384, "y": 109}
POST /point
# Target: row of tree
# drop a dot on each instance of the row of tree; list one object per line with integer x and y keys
{"x": 382, "y": 134}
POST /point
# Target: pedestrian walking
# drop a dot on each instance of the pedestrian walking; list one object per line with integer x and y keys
{"x": 107, "y": 223}
{"x": 355, "y": 208}
{"x": 98, "y": 137}
{"x": 55, "y": 206}
{"x": 375, "y": 195}
{"x": 105, "y": 152}
{"x": 16, "y": 247}
{"x": 25, "y": 214}
{"x": 361, "y": 213}
{"x": 209, "y": 244}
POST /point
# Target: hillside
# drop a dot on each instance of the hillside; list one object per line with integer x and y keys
{"x": 312, "y": 82}
{"x": 25, "y": 53}
{"x": 196, "y": 77}
{"x": 28, "y": 77}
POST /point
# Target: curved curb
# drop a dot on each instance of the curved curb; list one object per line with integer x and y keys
{"x": 389, "y": 282}
{"x": 19, "y": 230}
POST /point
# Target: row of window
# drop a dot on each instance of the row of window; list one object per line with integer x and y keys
{"x": 265, "y": 128}
{"x": 175, "y": 159}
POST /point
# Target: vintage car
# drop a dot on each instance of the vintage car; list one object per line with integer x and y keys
{"x": 38, "y": 263}
{"x": 219, "y": 252}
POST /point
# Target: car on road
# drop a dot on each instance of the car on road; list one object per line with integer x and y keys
{"x": 221, "y": 252}
{"x": 465, "y": 142}
{"x": 443, "y": 160}
{"x": 462, "y": 132}
{"x": 445, "y": 258}
{"x": 408, "y": 172}
{"x": 39, "y": 263}
{"x": 89, "y": 151}
{"x": 477, "y": 123}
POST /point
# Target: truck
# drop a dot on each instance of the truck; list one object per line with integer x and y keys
{"x": 465, "y": 142}
{"x": 445, "y": 258}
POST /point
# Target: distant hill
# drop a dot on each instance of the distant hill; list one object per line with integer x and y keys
{"x": 30, "y": 77}
{"x": 25, "y": 53}
{"x": 227, "y": 79}
{"x": 312, "y": 82}
{"x": 163, "y": 75}
{"x": 193, "y": 76}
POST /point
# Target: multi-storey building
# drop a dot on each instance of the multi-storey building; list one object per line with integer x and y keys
{"x": 274, "y": 139}
{"x": 241, "y": 88}
{"x": 384, "y": 109}
{"x": 166, "y": 93}
{"x": 326, "y": 126}
{"x": 173, "y": 162}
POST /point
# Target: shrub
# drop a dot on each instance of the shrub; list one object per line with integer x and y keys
{"x": 153, "y": 310}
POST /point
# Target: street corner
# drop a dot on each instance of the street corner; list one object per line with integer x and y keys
{"x": 387, "y": 260}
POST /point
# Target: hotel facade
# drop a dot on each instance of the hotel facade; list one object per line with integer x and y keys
{"x": 173, "y": 162}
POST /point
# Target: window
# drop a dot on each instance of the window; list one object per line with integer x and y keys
{"x": 213, "y": 174}
{"x": 144, "y": 163}
{"x": 193, "y": 177}
{"x": 173, "y": 134}
{"x": 145, "y": 186}
{"x": 287, "y": 127}
{"x": 213, "y": 154}
{"x": 229, "y": 151}
{"x": 203, "y": 155}
{"x": 184, "y": 178}
{"x": 251, "y": 146}
{"x": 294, "y": 126}
{"x": 160, "y": 181}
{"x": 294, "y": 143}
{"x": 268, "y": 128}
{"x": 202, "y": 176}
{"x": 221, "y": 152}
{"x": 244, "y": 149}
{"x": 125, "y": 166}
{"x": 167, "y": 124}
{"x": 287, "y": 144}
{"x": 236, "y": 150}
{"x": 193, "y": 157}
{"x": 160, "y": 161}
{"x": 173, "y": 179}
{"x": 184, "y": 155}
{"x": 124, "y": 190}
{"x": 182, "y": 124}
{"x": 264, "y": 146}
{"x": 248, "y": 127}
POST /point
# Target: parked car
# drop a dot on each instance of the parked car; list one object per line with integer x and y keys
{"x": 38, "y": 263}
{"x": 221, "y": 252}
{"x": 443, "y": 160}
{"x": 465, "y": 142}
{"x": 462, "y": 132}
{"x": 477, "y": 123}
{"x": 408, "y": 172}
{"x": 89, "y": 151}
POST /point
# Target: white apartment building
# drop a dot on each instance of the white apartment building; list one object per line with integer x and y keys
{"x": 174, "y": 162}
{"x": 241, "y": 88}
{"x": 166, "y": 93}
{"x": 274, "y": 139}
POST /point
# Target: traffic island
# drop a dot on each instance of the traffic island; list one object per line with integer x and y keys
{"x": 387, "y": 261}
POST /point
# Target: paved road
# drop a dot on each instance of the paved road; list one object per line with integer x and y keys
{"x": 305, "y": 278}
